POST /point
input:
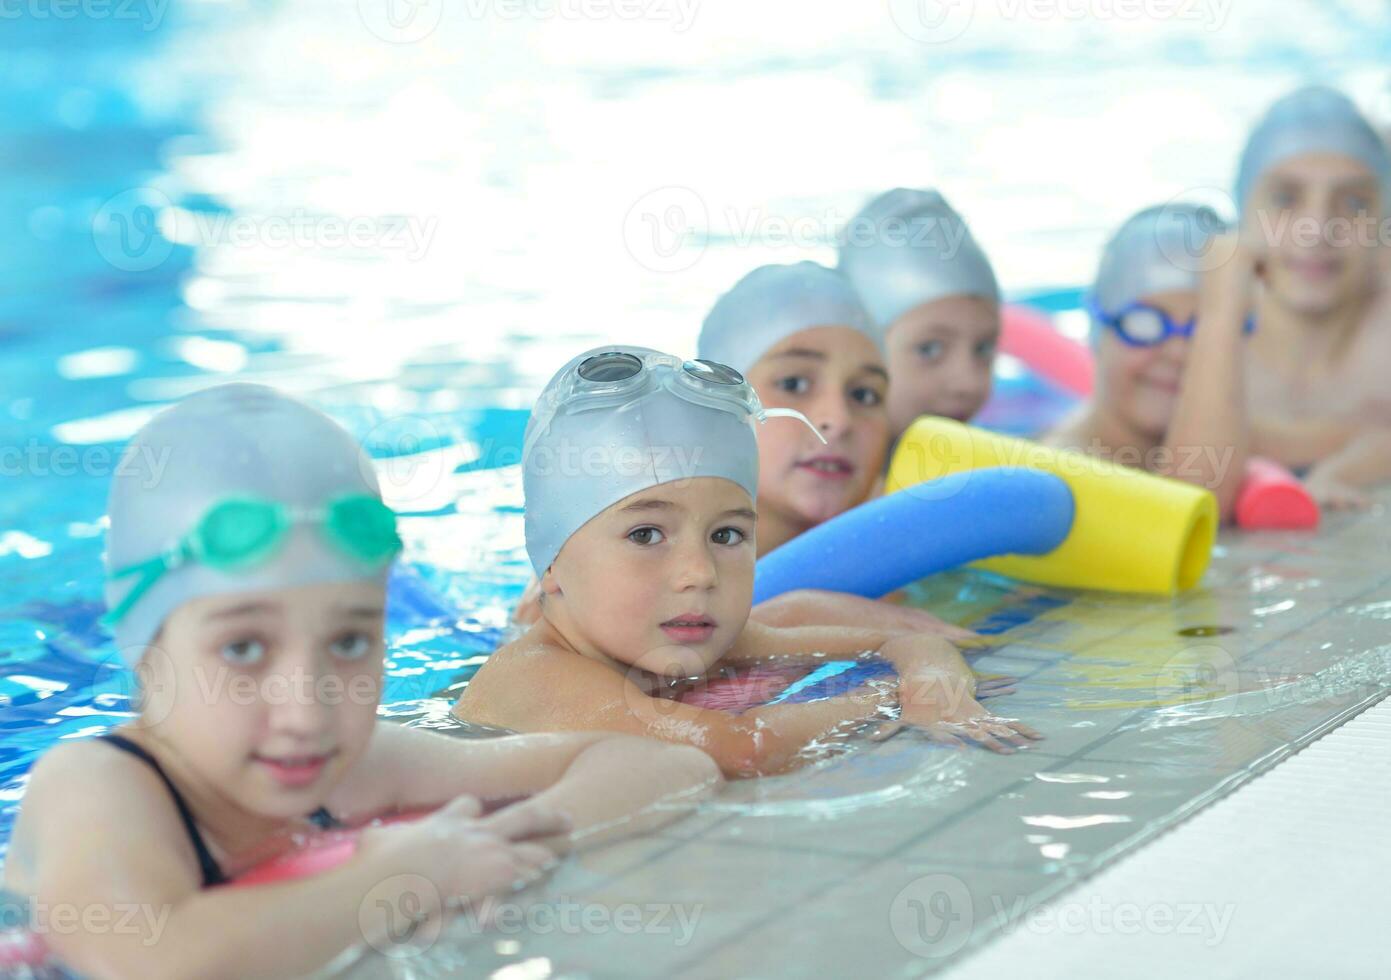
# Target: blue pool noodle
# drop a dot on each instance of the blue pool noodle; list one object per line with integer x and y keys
{"x": 887, "y": 543}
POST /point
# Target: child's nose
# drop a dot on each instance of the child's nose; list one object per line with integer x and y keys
{"x": 300, "y": 703}
{"x": 695, "y": 569}
{"x": 832, "y": 415}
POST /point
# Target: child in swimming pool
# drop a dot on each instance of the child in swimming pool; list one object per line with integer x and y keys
{"x": 802, "y": 338}
{"x": 931, "y": 290}
{"x": 1169, "y": 341}
{"x": 640, "y": 473}
{"x": 247, "y": 582}
{"x": 1312, "y": 188}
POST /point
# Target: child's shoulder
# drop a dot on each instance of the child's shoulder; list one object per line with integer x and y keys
{"x": 503, "y": 692}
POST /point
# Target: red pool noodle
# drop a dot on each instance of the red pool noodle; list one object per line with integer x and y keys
{"x": 1272, "y": 498}
{"x": 1030, "y": 336}
{"x": 320, "y": 853}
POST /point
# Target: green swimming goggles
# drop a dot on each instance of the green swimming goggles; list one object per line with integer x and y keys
{"x": 242, "y": 532}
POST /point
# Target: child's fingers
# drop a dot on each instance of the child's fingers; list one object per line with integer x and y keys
{"x": 886, "y": 731}
{"x": 462, "y": 807}
{"x": 1022, "y": 729}
{"x": 526, "y": 821}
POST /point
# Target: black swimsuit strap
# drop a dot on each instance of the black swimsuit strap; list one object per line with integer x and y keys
{"x": 212, "y": 871}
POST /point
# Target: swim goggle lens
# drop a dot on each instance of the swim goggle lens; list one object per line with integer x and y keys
{"x": 1141, "y": 325}
{"x": 242, "y": 532}
{"x": 615, "y": 366}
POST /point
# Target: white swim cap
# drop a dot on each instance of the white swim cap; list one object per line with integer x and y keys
{"x": 233, "y": 443}
{"x": 908, "y": 247}
{"x": 776, "y": 301}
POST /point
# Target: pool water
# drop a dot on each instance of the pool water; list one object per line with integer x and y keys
{"x": 411, "y": 223}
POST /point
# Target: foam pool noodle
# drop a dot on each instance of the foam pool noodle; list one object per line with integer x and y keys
{"x": 1272, "y": 498}
{"x": 1133, "y": 531}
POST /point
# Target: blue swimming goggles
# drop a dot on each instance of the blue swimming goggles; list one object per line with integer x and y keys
{"x": 1141, "y": 325}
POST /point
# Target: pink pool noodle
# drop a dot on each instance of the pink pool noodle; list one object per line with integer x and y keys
{"x": 1030, "y": 336}
{"x": 1272, "y": 498}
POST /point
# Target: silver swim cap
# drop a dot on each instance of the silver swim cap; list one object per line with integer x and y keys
{"x": 1315, "y": 119}
{"x": 1157, "y": 250}
{"x": 776, "y": 301}
{"x": 618, "y": 420}
{"x": 232, "y": 443}
{"x": 908, "y": 247}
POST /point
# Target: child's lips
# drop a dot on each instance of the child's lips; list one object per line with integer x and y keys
{"x": 689, "y": 629}
{"x": 295, "y": 770}
{"x": 828, "y": 467}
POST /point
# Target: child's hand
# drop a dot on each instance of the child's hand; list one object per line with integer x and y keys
{"x": 994, "y": 686}
{"x": 1332, "y": 493}
{"x": 939, "y": 707}
{"x": 911, "y": 620}
{"x": 465, "y": 856}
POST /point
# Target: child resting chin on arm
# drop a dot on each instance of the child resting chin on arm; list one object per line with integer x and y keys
{"x": 640, "y": 472}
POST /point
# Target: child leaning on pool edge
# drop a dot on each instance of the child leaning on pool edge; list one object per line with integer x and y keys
{"x": 640, "y": 473}
{"x": 248, "y": 583}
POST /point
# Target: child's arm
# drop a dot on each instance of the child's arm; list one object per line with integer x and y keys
{"x": 1339, "y": 481}
{"x": 1301, "y": 443}
{"x": 805, "y": 607}
{"x": 605, "y": 784}
{"x": 935, "y": 686}
{"x": 1210, "y": 414}
{"x": 584, "y": 695}
{"x": 131, "y": 873}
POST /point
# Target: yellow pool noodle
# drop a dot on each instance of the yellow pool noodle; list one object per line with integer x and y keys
{"x": 1133, "y": 531}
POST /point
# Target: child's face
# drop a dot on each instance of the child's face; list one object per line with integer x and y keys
{"x": 1141, "y": 384}
{"x": 941, "y": 359}
{"x": 270, "y": 696}
{"x": 661, "y": 580}
{"x": 836, "y": 377}
{"x": 1316, "y": 218}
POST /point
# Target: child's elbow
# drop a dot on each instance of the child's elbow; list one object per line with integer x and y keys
{"x": 700, "y": 769}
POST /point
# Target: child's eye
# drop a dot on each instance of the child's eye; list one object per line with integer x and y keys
{"x": 645, "y": 535}
{"x": 868, "y": 397}
{"x": 794, "y": 385}
{"x": 931, "y": 350}
{"x": 243, "y": 653}
{"x": 351, "y": 646}
{"x": 1283, "y": 197}
{"x": 985, "y": 349}
{"x": 1356, "y": 204}
{"x": 729, "y": 536}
